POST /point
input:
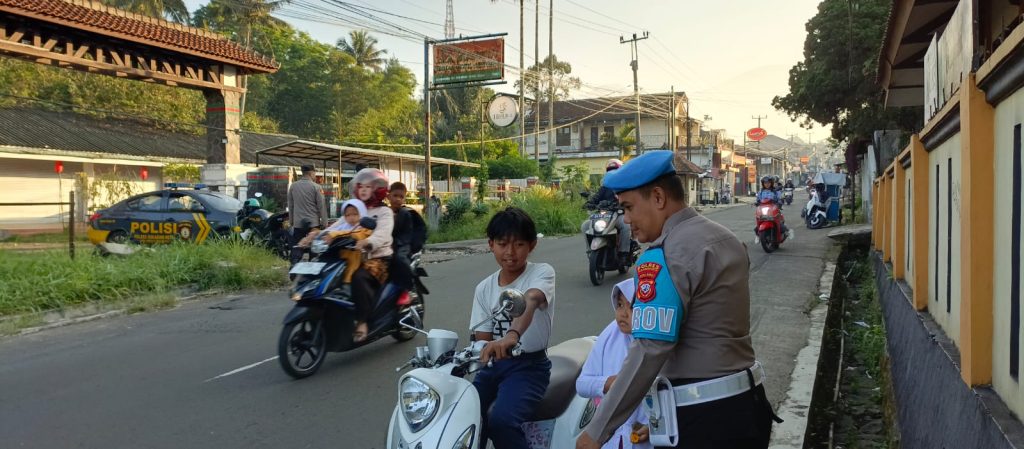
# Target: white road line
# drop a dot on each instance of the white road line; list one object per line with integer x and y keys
{"x": 241, "y": 369}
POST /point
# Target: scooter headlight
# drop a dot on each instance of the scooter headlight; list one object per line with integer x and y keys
{"x": 765, "y": 210}
{"x": 465, "y": 441}
{"x": 419, "y": 403}
{"x": 319, "y": 246}
{"x": 600, "y": 225}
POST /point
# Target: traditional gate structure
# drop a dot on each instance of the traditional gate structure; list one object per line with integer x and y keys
{"x": 90, "y": 37}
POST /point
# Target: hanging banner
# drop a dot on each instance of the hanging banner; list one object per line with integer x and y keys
{"x": 472, "y": 61}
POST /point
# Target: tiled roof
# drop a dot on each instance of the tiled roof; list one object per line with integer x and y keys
{"x": 97, "y": 18}
{"x": 684, "y": 166}
{"x": 66, "y": 131}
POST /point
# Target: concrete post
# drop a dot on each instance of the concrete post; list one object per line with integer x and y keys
{"x": 223, "y": 141}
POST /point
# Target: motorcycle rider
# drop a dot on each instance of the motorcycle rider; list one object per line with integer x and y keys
{"x": 513, "y": 385}
{"x": 789, "y": 184}
{"x": 605, "y": 194}
{"x": 770, "y": 194}
{"x": 370, "y": 185}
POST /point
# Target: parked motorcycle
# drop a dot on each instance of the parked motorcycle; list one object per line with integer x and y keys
{"x": 323, "y": 318}
{"x": 814, "y": 212}
{"x": 769, "y": 226}
{"x": 787, "y": 195}
{"x": 438, "y": 408}
{"x": 603, "y": 243}
{"x": 262, "y": 227}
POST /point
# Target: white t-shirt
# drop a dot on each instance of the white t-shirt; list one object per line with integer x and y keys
{"x": 485, "y": 300}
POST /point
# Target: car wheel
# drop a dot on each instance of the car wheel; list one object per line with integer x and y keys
{"x": 118, "y": 236}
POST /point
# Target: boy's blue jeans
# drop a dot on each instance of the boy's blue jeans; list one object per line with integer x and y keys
{"x": 509, "y": 394}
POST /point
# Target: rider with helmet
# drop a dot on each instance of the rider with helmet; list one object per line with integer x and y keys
{"x": 370, "y": 185}
{"x": 769, "y": 193}
{"x": 605, "y": 194}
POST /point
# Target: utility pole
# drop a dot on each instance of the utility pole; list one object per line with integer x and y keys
{"x": 635, "y": 53}
{"x": 689, "y": 132}
{"x": 551, "y": 79}
{"x": 426, "y": 120}
{"x": 522, "y": 84}
{"x": 672, "y": 119}
{"x": 759, "y": 118}
{"x": 536, "y": 76}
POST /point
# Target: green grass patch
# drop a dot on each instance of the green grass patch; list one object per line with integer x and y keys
{"x": 553, "y": 213}
{"x": 49, "y": 280}
{"x": 53, "y": 237}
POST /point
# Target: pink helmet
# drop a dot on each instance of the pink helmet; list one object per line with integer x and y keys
{"x": 613, "y": 164}
{"x": 370, "y": 177}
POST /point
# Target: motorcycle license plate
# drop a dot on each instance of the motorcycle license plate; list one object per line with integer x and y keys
{"x": 307, "y": 268}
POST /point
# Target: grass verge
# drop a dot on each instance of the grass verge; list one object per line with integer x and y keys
{"x": 49, "y": 280}
{"x": 553, "y": 213}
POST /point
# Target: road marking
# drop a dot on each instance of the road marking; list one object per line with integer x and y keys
{"x": 241, "y": 369}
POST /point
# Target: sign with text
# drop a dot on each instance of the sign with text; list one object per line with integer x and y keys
{"x": 805, "y": 160}
{"x": 756, "y": 134}
{"x": 466, "y": 62}
{"x": 502, "y": 111}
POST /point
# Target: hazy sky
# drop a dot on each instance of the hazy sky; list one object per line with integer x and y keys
{"x": 730, "y": 56}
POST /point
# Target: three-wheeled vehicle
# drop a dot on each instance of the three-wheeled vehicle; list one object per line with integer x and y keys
{"x": 824, "y": 207}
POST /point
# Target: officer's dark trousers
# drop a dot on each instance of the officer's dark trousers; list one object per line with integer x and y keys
{"x": 296, "y": 237}
{"x": 743, "y": 421}
{"x": 509, "y": 394}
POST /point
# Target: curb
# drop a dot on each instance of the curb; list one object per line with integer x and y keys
{"x": 794, "y": 409}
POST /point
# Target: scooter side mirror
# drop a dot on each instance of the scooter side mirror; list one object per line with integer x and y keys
{"x": 513, "y": 302}
{"x": 258, "y": 195}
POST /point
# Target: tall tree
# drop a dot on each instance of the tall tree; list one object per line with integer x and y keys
{"x": 173, "y": 10}
{"x": 363, "y": 47}
{"x": 835, "y": 83}
{"x": 561, "y": 80}
{"x": 239, "y": 17}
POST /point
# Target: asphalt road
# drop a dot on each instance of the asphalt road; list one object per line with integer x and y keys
{"x": 192, "y": 377}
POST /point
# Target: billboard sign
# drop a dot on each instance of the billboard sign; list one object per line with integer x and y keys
{"x": 472, "y": 61}
{"x": 766, "y": 161}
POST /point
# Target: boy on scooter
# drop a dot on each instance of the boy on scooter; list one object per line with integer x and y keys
{"x": 511, "y": 389}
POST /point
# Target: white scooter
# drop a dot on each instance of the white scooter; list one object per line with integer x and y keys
{"x": 438, "y": 408}
{"x": 814, "y": 212}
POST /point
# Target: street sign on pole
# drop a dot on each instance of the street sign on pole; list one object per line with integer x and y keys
{"x": 756, "y": 134}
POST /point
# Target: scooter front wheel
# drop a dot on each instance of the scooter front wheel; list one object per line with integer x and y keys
{"x": 768, "y": 241}
{"x": 596, "y": 270}
{"x": 302, "y": 347}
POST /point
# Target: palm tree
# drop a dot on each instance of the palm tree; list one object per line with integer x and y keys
{"x": 363, "y": 47}
{"x": 624, "y": 141}
{"x": 173, "y": 10}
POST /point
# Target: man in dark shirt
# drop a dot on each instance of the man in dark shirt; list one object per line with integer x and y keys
{"x": 409, "y": 235}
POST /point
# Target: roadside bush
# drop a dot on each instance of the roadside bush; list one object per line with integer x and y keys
{"x": 481, "y": 209}
{"x": 457, "y": 207}
{"x": 40, "y": 281}
{"x": 553, "y": 213}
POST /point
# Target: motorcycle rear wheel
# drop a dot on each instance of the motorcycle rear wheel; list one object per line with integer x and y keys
{"x": 768, "y": 241}
{"x": 596, "y": 270}
{"x": 297, "y": 344}
{"x": 815, "y": 221}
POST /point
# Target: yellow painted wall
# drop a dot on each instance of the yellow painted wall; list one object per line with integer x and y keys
{"x": 1008, "y": 114}
{"x": 945, "y": 254}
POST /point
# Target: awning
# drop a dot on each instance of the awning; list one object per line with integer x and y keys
{"x": 318, "y": 151}
{"x": 912, "y": 23}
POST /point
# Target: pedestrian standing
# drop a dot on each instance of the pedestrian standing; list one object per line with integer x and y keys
{"x": 306, "y": 208}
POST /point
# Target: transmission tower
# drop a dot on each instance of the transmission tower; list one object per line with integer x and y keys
{"x": 449, "y": 20}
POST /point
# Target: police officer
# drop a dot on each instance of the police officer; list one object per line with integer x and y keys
{"x": 691, "y": 319}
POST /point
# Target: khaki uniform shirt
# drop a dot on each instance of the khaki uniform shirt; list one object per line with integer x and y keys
{"x": 306, "y": 203}
{"x": 710, "y": 269}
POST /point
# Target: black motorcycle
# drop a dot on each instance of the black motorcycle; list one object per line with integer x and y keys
{"x": 323, "y": 318}
{"x": 264, "y": 228}
{"x": 603, "y": 242}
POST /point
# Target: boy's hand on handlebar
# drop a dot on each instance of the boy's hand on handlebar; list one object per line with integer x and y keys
{"x": 498, "y": 349}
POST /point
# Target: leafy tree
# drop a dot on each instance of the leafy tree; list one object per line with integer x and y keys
{"x": 624, "y": 141}
{"x": 173, "y": 10}
{"x": 241, "y": 18}
{"x": 363, "y": 47}
{"x": 512, "y": 167}
{"x": 835, "y": 83}
{"x": 538, "y": 80}
{"x": 547, "y": 169}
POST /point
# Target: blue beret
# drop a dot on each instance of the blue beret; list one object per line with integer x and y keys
{"x": 640, "y": 171}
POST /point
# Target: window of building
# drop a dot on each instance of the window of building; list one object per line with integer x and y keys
{"x": 563, "y": 137}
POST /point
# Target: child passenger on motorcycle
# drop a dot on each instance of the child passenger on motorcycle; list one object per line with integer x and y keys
{"x": 605, "y": 361}
{"x": 513, "y": 387}
{"x": 352, "y": 211}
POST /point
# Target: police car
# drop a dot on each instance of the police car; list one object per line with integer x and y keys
{"x": 180, "y": 212}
